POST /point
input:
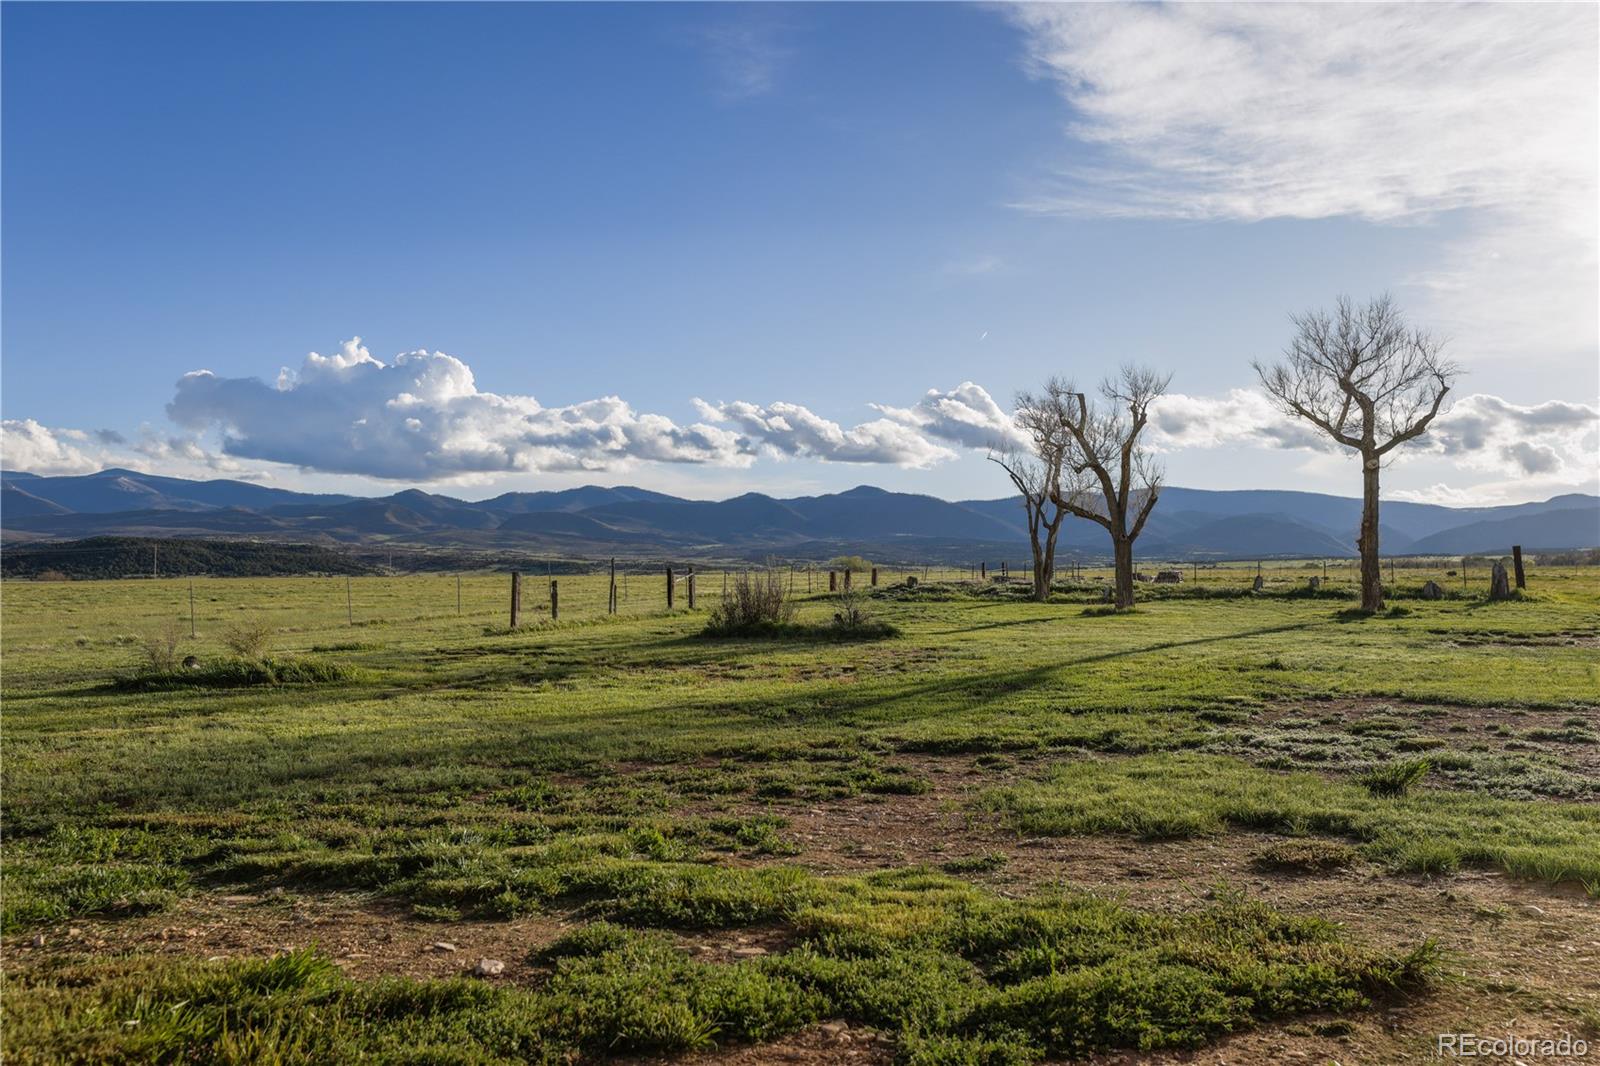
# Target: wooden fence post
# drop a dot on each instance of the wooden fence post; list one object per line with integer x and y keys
{"x": 555, "y": 602}
{"x": 847, "y": 580}
{"x": 833, "y": 581}
{"x": 1516, "y": 562}
{"x": 691, "y": 588}
{"x": 349, "y": 611}
{"x": 611, "y": 596}
{"x": 516, "y": 598}
{"x": 669, "y": 588}
{"x": 983, "y": 571}
{"x": 874, "y": 577}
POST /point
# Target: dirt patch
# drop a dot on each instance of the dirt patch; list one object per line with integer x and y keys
{"x": 367, "y": 939}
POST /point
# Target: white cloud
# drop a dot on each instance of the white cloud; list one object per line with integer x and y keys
{"x": 1557, "y": 441}
{"x": 55, "y": 451}
{"x": 27, "y": 445}
{"x": 422, "y": 417}
{"x": 1486, "y": 433}
{"x": 966, "y": 415}
{"x": 1386, "y": 112}
{"x": 787, "y": 429}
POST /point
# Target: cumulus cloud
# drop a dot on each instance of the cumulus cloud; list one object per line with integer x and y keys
{"x": 422, "y": 417}
{"x": 26, "y": 444}
{"x": 38, "y": 449}
{"x": 788, "y": 429}
{"x": 1384, "y": 112}
{"x": 1479, "y": 432}
{"x": 1487, "y": 433}
{"x": 966, "y": 415}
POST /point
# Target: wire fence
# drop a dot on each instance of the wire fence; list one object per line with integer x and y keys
{"x": 569, "y": 590}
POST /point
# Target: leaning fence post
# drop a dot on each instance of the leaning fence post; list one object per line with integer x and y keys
{"x": 516, "y": 598}
{"x": 1516, "y": 562}
{"x": 669, "y": 588}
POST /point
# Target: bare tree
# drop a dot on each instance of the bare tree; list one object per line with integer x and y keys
{"x": 1370, "y": 381}
{"x": 1108, "y": 477}
{"x": 1035, "y": 469}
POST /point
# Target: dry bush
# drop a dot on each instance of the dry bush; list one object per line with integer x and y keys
{"x": 249, "y": 639}
{"x": 159, "y": 647}
{"x": 752, "y": 600}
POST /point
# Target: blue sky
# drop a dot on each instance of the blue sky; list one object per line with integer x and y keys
{"x": 822, "y": 207}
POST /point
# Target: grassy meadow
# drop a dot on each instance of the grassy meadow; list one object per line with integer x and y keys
{"x": 1001, "y": 832}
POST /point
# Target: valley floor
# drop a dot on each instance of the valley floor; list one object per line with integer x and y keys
{"x": 1011, "y": 832}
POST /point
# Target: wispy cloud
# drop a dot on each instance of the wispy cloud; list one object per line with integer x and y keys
{"x": 748, "y": 51}
{"x": 1392, "y": 113}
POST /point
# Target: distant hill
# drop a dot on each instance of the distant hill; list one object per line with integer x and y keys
{"x": 114, "y": 557}
{"x": 1572, "y": 527}
{"x": 598, "y": 521}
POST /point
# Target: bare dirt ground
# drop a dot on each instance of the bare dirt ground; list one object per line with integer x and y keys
{"x": 1522, "y": 958}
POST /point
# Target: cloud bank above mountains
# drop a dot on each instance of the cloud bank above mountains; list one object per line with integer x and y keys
{"x": 421, "y": 418}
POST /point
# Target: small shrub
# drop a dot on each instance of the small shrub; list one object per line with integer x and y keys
{"x": 158, "y": 648}
{"x": 752, "y": 601}
{"x": 1396, "y": 778}
{"x": 248, "y": 639}
{"x": 852, "y": 613}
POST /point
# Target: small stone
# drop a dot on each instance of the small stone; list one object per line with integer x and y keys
{"x": 749, "y": 952}
{"x": 442, "y": 947}
{"x": 832, "y": 1030}
{"x": 1531, "y": 909}
{"x": 74, "y": 931}
{"x": 489, "y": 968}
{"x": 38, "y": 940}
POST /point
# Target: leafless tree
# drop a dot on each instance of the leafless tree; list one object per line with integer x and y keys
{"x": 1035, "y": 469}
{"x": 1107, "y": 476}
{"x": 1368, "y": 379}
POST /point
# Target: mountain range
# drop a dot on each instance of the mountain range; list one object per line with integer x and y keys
{"x": 595, "y": 520}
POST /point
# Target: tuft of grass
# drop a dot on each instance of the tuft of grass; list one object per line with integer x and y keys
{"x": 1396, "y": 778}
{"x": 242, "y": 673}
{"x": 1305, "y": 856}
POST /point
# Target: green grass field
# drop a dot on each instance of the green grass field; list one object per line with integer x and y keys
{"x": 927, "y": 835}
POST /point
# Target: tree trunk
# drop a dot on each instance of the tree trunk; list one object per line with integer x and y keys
{"x": 1123, "y": 551}
{"x": 1371, "y": 569}
{"x": 1044, "y": 565}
